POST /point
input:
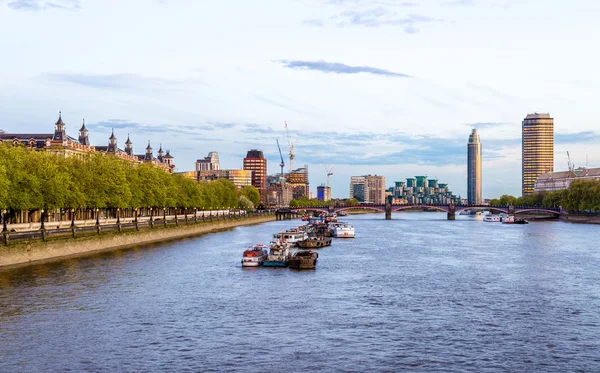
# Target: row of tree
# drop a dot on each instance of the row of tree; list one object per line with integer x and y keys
{"x": 307, "y": 202}
{"x": 582, "y": 195}
{"x": 32, "y": 180}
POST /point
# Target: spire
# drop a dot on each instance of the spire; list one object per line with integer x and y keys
{"x": 160, "y": 151}
{"x": 149, "y": 148}
{"x": 128, "y": 142}
{"x": 59, "y": 121}
{"x": 112, "y": 135}
{"x": 83, "y": 127}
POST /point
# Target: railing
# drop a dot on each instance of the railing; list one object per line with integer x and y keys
{"x": 77, "y": 228}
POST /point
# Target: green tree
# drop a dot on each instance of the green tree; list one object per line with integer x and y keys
{"x": 251, "y": 193}
{"x": 244, "y": 203}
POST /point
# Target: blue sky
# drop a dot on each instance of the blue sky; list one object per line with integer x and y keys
{"x": 371, "y": 87}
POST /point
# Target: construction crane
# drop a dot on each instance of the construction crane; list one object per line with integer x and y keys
{"x": 281, "y": 164}
{"x": 329, "y": 172}
{"x": 570, "y": 165}
{"x": 290, "y": 146}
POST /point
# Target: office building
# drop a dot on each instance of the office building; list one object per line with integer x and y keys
{"x": 323, "y": 193}
{"x": 209, "y": 163}
{"x": 368, "y": 189}
{"x": 553, "y": 181}
{"x": 256, "y": 162}
{"x": 474, "y": 196}
{"x": 537, "y": 148}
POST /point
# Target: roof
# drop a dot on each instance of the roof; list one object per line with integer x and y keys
{"x": 128, "y": 142}
{"x": 83, "y": 127}
{"x": 26, "y": 136}
{"x": 60, "y": 121}
{"x": 112, "y": 135}
{"x": 578, "y": 172}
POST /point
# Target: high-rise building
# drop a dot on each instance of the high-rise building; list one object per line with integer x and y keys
{"x": 210, "y": 163}
{"x": 474, "y": 196}
{"x": 256, "y": 162}
{"x": 323, "y": 193}
{"x": 368, "y": 188}
{"x": 538, "y": 149}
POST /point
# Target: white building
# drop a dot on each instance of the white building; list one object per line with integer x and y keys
{"x": 552, "y": 181}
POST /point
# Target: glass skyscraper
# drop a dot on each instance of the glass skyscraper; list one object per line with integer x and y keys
{"x": 538, "y": 149}
{"x": 474, "y": 169}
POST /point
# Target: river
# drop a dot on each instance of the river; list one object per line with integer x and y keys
{"x": 417, "y": 293}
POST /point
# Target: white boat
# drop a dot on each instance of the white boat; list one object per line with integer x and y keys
{"x": 290, "y": 237}
{"x": 508, "y": 219}
{"x": 343, "y": 230}
{"x": 279, "y": 255}
{"x": 492, "y": 218}
{"x": 254, "y": 256}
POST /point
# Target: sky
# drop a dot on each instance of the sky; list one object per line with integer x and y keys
{"x": 380, "y": 87}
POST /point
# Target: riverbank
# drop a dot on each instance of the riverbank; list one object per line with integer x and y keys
{"x": 33, "y": 252}
{"x": 581, "y": 219}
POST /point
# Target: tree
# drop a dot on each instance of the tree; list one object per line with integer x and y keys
{"x": 251, "y": 193}
{"x": 244, "y": 203}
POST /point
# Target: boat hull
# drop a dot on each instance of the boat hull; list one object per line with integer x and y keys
{"x": 270, "y": 263}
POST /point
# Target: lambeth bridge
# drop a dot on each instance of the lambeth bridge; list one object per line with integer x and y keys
{"x": 450, "y": 209}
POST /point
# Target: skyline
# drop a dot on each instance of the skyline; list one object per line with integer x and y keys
{"x": 382, "y": 87}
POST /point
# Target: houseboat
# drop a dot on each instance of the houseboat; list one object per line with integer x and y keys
{"x": 279, "y": 255}
{"x": 254, "y": 256}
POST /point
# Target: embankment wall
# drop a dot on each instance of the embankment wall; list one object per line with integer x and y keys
{"x": 26, "y": 253}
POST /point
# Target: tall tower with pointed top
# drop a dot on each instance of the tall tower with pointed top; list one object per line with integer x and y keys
{"x": 474, "y": 196}
{"x": 59, "y": 130}
{"x": 149, "y": 157}
{"x": 128, "y": 146}
{"x": 112, "y": 142}
{"x": 83, "y": 135}
{"x": 161, "y": 154}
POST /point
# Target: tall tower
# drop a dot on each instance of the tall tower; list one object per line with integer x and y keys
{"x": 83, "y": 135}
{"x": 112, "y": 143}
{"x": 538, "y": 149}
{"x": 128, "y": 146}
{"x": 256, "y": 162}
{"x": 474, "y": 169}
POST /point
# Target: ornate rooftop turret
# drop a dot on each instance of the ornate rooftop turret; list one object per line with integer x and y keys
{"x": 168, "y": 158}
{"x": 128, "y": 146}
{"x": 59, "y": 131}
{"x": 160, "y": 154}
{"x": 112, "y": 142}
{"x": 83, "y": 135}
{"x": 148, "y": 157}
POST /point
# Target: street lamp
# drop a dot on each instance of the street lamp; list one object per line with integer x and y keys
{"x": 42, "y": 211}
{"x": 136, "y": 214}
{"x": 4, "y": 227}
{"x": 118, "y": 215}
{"x": 72, "y": 218}
{"x": 97, "y": 217}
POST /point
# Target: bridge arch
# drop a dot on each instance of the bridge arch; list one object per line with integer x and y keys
{"x": 396, "y": 208}
{"x": 370, "y": 207}
{"x": 537, "y": 209}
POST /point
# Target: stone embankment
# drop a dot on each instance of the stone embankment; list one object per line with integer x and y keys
{"x": 20, "y": 253}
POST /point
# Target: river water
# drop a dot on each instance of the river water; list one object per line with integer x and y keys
{"x": 417, "y": 293}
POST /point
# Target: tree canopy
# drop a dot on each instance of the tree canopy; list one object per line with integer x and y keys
{"x": 31, "y": 180}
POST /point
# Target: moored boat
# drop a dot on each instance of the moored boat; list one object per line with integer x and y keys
{"x": 254, "y": 256}
{"x": 279, "y": 255}
{"x": 304, "y": 260}
{"x": 315, "y": 242}
{"x": 343, "y": 230}
{"x": 508, "y": 219}
{"x": 521, "y": 221}
{"x": 291, "y": 237}
{"x": 492, "y": 218}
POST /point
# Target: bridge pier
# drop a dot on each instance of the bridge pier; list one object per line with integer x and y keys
{"x": 388, "y": 210}
{"x": 451, "y": 213}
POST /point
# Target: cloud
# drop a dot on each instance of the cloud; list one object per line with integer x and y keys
{"x": 339, "y": 68}
{"x": 576, "y": 138}
{"x": 313, "y": 22}
{"x": 481, "y": 125}
{"x": 380, "y": 16}
{"x": 118, "y": 81}
{"x": 35, "y": 5}
{"x": 460, "y": 3}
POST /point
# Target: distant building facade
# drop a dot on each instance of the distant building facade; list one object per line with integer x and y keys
{"x": 421, "y": 190}
{"x": 323, "y": 193}
{"x": 240, "y": 178}
{"x": 61, "y": 143}
{"x": 537, "y": 148}
{"x": 256, "y": 162}
{"x": 368, "y": 189}
{"x": 553, "y": 181}
{"x": 474, "y": 196}
{"x": 209, "y": 163}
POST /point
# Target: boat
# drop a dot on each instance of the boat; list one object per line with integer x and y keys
{"x": 343, "y": 230}
{"x": 254, "y": 256}
{"x": 291, "y": 237}
{"x": 304, "y": 260}
{"x": 342, "y": 213}
{"x": 305, "y": 217}
{"x": 508, "y": 219}
{"x": 521, "y": 221}
{"x": 492, "y": 218}
{"x": 279, "y": 255}
{"x": 315, "y": 242}
{"x": 331, "y": 217}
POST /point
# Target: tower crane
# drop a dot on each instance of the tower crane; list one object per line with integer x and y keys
{"x": 281, "y": 164}
{"x": 569, "y": 164}
{"x": 290, "y": 146}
